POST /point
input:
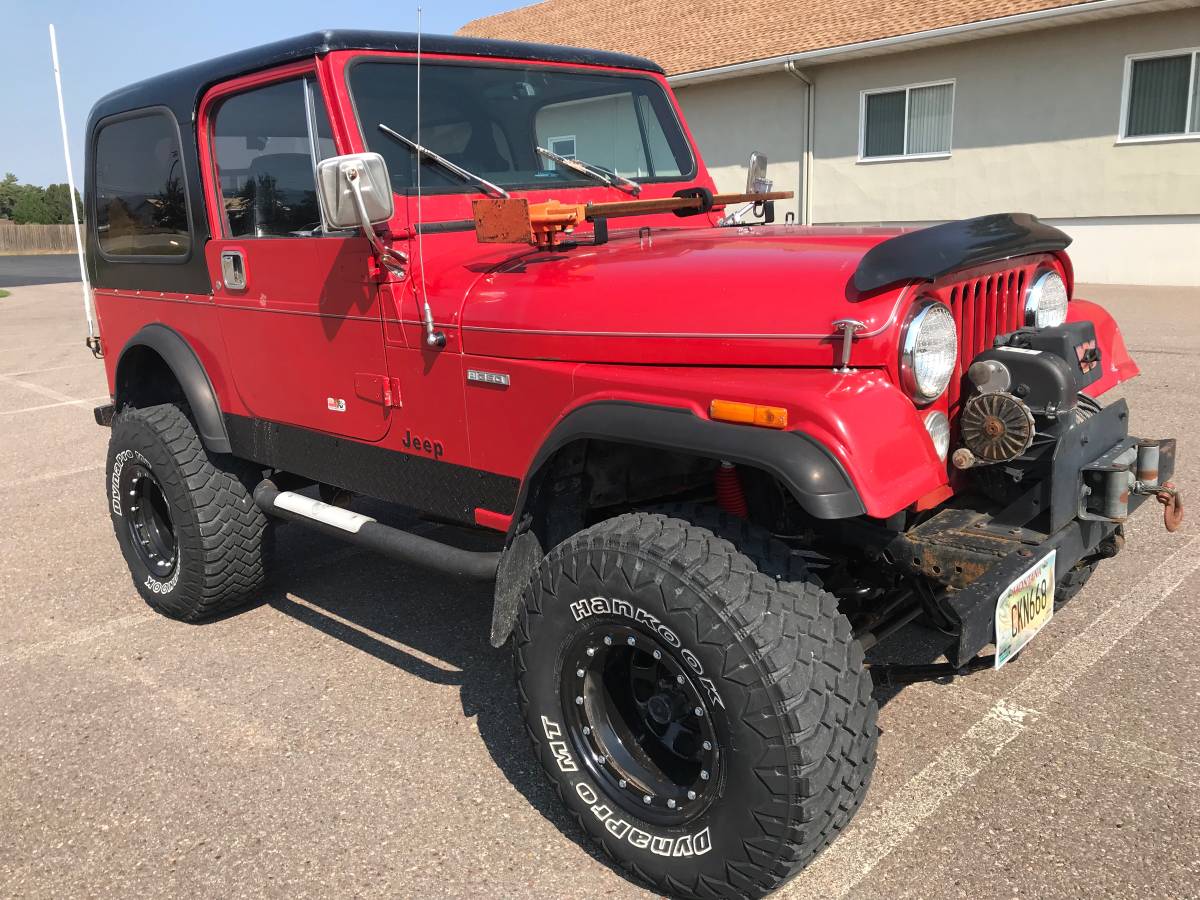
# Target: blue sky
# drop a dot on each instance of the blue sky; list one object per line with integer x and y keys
{"x": 104, "y": 46}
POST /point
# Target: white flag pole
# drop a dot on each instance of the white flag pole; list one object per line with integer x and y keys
{"x": 89, "y": 310}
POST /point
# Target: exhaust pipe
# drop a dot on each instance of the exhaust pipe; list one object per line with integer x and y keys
{"x": 364, "y": 531}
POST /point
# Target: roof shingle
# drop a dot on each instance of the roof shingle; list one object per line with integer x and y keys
{"x": 705, "y": 34}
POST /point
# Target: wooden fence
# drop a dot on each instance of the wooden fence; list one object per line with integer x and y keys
{"x": 16, "y": 238}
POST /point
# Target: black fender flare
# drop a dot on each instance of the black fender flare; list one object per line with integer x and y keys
{"x": 181, "y": 359}
{"x": 803, "y": 465}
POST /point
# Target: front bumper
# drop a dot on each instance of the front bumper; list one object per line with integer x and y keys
{"x": 1094, "y": 484}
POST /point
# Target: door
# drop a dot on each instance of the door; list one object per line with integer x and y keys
{"x": 299, "y": 312}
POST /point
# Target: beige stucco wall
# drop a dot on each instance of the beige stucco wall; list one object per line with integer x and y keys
{"x": 1036, "y": 117}
{"x": 731, "y": 119}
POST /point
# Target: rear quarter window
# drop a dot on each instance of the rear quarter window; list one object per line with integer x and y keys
{"x": 141, "y": 198}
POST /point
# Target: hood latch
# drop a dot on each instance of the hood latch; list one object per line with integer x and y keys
{"x": 847, "y": 327}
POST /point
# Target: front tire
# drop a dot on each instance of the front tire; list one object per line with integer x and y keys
{"x": 185, "y": 520}
{"x": 711, "y": 726}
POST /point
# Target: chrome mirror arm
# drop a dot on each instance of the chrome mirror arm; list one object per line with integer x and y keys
{"x": 394, "y": 260}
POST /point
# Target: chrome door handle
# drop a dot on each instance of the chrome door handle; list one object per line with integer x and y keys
{"x": 233, "y": 270}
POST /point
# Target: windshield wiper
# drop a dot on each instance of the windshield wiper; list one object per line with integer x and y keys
{"x": 483, "y": 184}
{"x": 612, "y": 179}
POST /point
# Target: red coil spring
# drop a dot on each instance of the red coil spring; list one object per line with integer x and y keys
{"x": 730, "y": 497}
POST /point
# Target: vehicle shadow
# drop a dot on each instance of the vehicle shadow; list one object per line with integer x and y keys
{"x": 427, "y": 625}
{"x": 437, "y": 628}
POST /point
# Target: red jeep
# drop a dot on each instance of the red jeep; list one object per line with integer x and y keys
{"x": 491, "y": 283}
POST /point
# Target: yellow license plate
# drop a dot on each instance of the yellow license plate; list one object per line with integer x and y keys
{"x": 1024, "y": 609}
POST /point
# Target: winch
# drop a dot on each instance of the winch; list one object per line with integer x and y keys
{"x": 1027, "y": 414}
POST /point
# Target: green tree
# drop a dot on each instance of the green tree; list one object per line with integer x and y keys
{"x": 10, "y": 193}
{"x": 32, "y": 208}
{"x": 60, "y": 206}
{"x": 43, "y": 206}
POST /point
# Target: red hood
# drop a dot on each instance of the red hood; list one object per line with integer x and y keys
{"x": 692, "y": 296}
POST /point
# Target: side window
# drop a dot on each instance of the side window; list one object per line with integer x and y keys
{"x": 267, "y": 143}
{"x": 917, "y": 120}
{"x": 1162, "y": 96}
{"x": 564, "y": 146}
{"x": 141, "y": 204}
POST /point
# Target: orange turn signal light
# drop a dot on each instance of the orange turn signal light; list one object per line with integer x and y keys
{"x": 748, "y": 414}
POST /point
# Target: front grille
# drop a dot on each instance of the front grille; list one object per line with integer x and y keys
{"x": 984, "y": 307}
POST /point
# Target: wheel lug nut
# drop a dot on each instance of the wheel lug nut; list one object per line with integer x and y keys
{"x": 679, "y": 679}
{"x": 670, "y": 804}
{"x": 579, "y": 673}
{"x": 608, "y": 640}
{"x": 646, "y": 799}
{"x": 579, "y": 701}
{"x": 600, "y": 760}
{"x": 586, "y": 731}
{"x": 699, "y": 711}
{"x": 707, "y": 745}
{"x": 591, "y": 651}
{"x": 631, "y": 641}
{"x": 691, "y": 795}
{"x": 658, "y": 654}
{"x": 704, "y": 774}
{"x": 622, "y": 783}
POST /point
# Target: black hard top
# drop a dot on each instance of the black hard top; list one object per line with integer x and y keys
{"x": 181, "y": 89}
{"x": 180, "y": 92}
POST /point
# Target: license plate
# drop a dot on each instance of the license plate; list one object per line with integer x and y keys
{"x": 1024, "y": 609}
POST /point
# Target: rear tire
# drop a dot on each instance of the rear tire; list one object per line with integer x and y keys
{"x": 758, "y": 684}
{"x": 185, "y": 520}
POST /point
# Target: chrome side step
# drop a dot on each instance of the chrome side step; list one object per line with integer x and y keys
{"x": 356, "y": 528}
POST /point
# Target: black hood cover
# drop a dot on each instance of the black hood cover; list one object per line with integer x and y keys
{"x": 940, "y": 249}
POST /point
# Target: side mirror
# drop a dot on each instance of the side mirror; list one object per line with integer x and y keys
{"x": 355, "y": 191}
{"x": 757, "y": 181}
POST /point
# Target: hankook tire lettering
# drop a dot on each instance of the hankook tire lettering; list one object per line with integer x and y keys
{"x": 592, "y": 606}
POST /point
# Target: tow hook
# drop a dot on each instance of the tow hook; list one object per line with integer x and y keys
{"x": 1172, "y": 504}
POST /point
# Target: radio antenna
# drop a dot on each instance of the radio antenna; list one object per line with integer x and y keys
{"x": 89, "y": 309}
{"x": 433, "y": 337}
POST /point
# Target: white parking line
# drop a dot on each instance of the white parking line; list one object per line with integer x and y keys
{"x": 1079, "y": 735}
{"x": 77, "y": 637}
{"x": 424, "y": 657}
{"x": 124, "y": 623}
{"x": 873, "y": 837}
{"x": 28, "y": 409}
{"x": 51, "y": 476}
{"x": 38, "y": 389}
{"x": 78, "y": 365}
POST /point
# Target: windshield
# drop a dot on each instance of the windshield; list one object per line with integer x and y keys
{"x": 490, "y": 120}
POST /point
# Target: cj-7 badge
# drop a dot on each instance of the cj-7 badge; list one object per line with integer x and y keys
{"x": 479, "y": 377}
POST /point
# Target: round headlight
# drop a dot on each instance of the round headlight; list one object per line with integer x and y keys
{"x": 1046, "y": 301}
{"x": 928, "y": 351}
{"x": 938, "y": 427}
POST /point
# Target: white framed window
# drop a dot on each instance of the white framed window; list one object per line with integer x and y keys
{"x": 563, "y": 145}
{"x": 913, "y": 121}
{"x": 1160, "y": 97}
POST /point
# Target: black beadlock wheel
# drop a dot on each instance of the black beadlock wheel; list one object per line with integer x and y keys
{"x": 640, "y": 722}
{"x": 185, "y": 520}
{"x": 712, "y": 726}
{"x": 148, "y": 518}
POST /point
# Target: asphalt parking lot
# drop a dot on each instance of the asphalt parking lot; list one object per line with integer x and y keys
{"x": 353, "y": 733}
